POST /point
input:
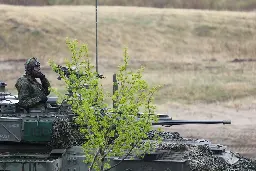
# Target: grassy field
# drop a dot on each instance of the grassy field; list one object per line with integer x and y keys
{"x": 187, "y": 4}
{"x": 189, "y": 52}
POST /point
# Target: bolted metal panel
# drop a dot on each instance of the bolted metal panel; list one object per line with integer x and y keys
{"x": 155, "y": 165}
{"x": 36, "y": 164}
{"x": 10, "y": 129}
{"x": 37, "y": 131}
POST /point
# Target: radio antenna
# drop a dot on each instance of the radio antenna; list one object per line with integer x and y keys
{"x": 96, "y": 36}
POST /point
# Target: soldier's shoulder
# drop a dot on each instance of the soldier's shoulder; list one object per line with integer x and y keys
{"x": 22, "y": 80}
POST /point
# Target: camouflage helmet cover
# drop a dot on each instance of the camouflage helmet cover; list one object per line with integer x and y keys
{"x": 31, "y": 63}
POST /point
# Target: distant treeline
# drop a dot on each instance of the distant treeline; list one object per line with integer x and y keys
{"x": 234, "y": 5}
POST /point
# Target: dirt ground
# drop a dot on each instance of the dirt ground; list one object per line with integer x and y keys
{"x": 239, "y": 136}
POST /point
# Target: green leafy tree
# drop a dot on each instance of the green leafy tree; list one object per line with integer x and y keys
{"x": 109, "y": 131}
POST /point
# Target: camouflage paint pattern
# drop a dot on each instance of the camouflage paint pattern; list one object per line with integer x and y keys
{"x": 31, "y": 92}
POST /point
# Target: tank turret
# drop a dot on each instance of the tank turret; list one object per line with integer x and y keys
{"x": 26, "y": 135}
{"x": 35, "y": 125}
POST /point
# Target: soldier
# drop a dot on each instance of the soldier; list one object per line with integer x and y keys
{"x": 30, "y": 92}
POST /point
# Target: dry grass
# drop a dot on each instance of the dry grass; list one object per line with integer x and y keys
{"x": 187, "y": 51}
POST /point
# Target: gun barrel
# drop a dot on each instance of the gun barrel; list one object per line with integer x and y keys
{"x": 185, "y": 122}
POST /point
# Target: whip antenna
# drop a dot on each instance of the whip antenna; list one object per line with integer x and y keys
{"x": 96, "y": 36}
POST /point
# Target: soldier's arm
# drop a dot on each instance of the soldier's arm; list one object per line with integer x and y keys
{"x": 24, "y": 96}
{"x": 45, "y": 85}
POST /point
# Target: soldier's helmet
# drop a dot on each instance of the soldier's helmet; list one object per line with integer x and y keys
{"x": 31, "y": 63}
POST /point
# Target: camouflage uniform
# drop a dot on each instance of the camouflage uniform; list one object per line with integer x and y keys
{"x": 30, "y": 91}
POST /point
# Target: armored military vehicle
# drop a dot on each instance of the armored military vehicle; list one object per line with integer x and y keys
{"x": 26, "y": 142}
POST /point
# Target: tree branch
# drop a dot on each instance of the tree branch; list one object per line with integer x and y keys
{"x": 107, "y": 152}
{"x": 94, "y": 159}
{"x": 149, "y": 100}
{"x": 102, "y": 160}
{"x": 122, "y": 158}
{"x": 107, "y": 145}
{"x": 103, "y": 155}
